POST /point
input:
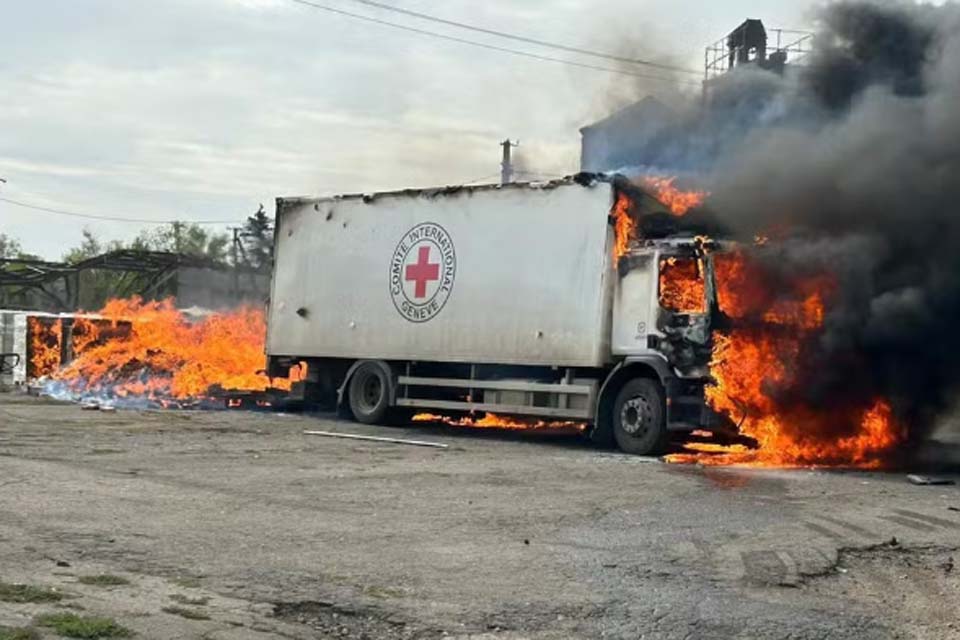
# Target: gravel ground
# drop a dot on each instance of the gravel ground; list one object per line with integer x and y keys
{"x": 236, "y": 525}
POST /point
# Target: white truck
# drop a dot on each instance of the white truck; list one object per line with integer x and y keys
{"x": 503, "y": 299}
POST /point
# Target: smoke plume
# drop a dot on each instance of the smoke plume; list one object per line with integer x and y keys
{"x": 856, "y": 156}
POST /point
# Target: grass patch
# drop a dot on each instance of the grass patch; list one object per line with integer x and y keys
{"x": 22, "y": 633}
{"x": 187, "y": 582}
{"x": 189, "y": 614}
{"x": 104, "y": 580}
{"x": 23, "y": 593}
{"x": 70, "y": 625}
{"x": 382, "y": 592}
{"x": 187, "y": 600}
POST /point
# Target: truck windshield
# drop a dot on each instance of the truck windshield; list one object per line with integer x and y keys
{"x": 682, "y": 285}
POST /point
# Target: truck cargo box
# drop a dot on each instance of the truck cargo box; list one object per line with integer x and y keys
{"x": 520, "y": 274}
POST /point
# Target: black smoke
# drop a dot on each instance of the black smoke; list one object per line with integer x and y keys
{"x": 857, "y": 156}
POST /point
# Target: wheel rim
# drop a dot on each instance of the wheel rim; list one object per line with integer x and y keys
{"x": 635, "y": 416}
{"x": 371, "y": 392}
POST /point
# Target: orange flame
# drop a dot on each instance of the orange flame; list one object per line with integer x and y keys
{"x": 165, "y": 355}
{"x": 678, "y": 201}
{"x": 85, "y": 334}
{"x": 46, "y": 338}
{"x": 760, "y": 357}
{"x": 494, "y": 421}
{"x": 682, "y": 286}
{"x": 625, "y": 227}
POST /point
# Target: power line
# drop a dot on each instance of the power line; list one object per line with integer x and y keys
{"x": 491, "y": 47}
{"x": 511, "y": 36}
{"x": 74, "y": 214}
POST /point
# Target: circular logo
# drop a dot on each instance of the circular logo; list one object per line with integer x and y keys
{"x": 422, "y": 272}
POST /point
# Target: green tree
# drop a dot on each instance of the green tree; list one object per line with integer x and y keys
{"x": 9, "y": 247}
{"x": 257, "y": 238}
{"x": 185, "y": 239}
{"x": 90, "y": 247}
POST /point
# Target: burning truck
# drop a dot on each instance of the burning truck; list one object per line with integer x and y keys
{"x": 595, "y": 303}
{"x": 575, "y": 300}
{"x": 826, "y": 335}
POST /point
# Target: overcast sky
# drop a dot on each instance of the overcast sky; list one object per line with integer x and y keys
{"x": 202, "y": 109}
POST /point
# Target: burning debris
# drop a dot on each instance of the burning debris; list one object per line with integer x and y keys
{"x": 151, "y": 352}
{"x": 46, "y": 339}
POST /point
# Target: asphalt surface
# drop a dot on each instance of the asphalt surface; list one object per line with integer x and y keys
{"x": 242, "y": 519}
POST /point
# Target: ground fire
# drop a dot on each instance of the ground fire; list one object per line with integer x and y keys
{"x": 494, "y": 421}
{"x": 152, "y": 351}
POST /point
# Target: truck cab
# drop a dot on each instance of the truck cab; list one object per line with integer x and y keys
{"x": 664, "y": 303}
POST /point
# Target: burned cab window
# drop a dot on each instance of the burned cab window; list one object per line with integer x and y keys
{"x": 682, "y": 287}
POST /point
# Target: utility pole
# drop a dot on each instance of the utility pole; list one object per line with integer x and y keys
{"x": 506, "y": 167}
{"x": 235, "y": 254}
{"x": 177, "y": 237}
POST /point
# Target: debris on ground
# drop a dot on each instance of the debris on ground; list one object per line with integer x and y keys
{"x": 353, "y": 436}
{"x": 929, "y": 480}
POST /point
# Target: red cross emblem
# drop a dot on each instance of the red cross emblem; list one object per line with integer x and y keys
{"x": 423, "y": 272}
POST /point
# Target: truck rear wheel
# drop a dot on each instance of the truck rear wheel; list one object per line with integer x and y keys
{"x": 639, "y": 418}
{"x": 369, "y": 393}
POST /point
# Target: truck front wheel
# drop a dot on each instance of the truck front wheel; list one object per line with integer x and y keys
{"x": 369, "y": 393}
{"x": 639, "y": 418}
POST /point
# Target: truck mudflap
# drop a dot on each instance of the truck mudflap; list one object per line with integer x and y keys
{"x": 688, "y": 410}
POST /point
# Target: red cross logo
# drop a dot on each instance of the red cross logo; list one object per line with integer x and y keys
{"x": 422, "y": 272}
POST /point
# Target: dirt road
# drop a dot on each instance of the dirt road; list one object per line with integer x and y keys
{"x": 236, "y": 525}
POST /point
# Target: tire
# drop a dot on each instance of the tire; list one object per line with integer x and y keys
{"x": 640, "y": 418}
{"x": 369, "y": 393}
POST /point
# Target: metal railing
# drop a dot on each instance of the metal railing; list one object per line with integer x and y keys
{"x": 791, "y": 46}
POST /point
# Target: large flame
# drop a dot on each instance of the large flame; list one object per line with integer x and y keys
{"x": 682, "y": 286}
{"x": 625, "y": 227}
{"x": 664, "y": 189}
{"x": 761, "y": 361}
{"x": 163, "y": 354}
{"x": 46, "y": 339}
{"x": 679, "y": 202}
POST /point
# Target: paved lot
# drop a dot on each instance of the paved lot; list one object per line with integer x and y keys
{"x": 241, "y": 518}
